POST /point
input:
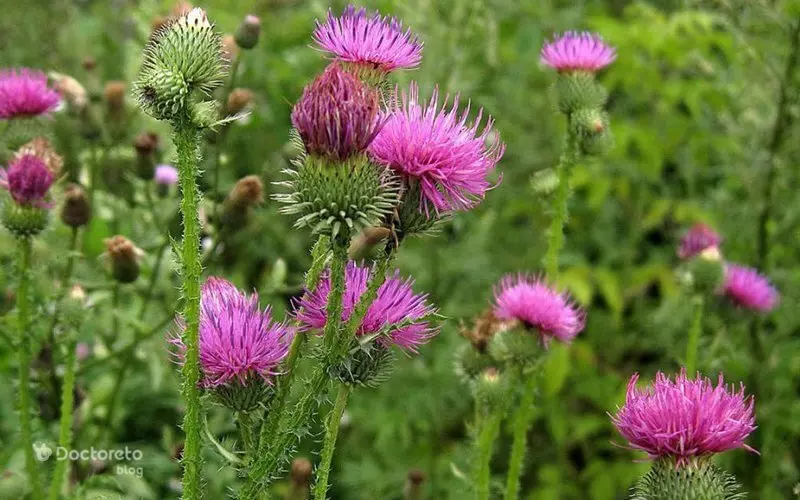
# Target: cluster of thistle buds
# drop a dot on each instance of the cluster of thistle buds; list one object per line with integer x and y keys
{"x": 706, "y": 272}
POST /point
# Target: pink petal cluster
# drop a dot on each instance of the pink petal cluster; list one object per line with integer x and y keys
{"x": 337, "y": 115}
{"x": 685, "y": 419}
{"x": 575, "y": 51}
{"x": 28, "y": 180}
{"x": 530, "y": 300}
{"x": 238, "y": 341}
{"x": 397, "y": 311}
{"x": 748, "y": 288}
{"x": 166, "y": 175}
{"x": 698, "y": 239}
{"x": 449, "y": 157}
{"x": 358, "y": 36}
{"x": 24, "y": 93}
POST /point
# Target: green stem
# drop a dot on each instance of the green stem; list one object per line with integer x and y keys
{"x": 333, "y": 335}
{"x": 487, "y": 435}
{"x": 567, "y": 160}
{"x": 694, "y": 336}
{"x": 115, "y": 310}
{"x": 377, "y": 279}
{"x": 65, "y": 428}
{"x": 331, "y": 432}
{"x": 245, "y": 425}
{"x": 112, "y": 402}
{"x": 522, "y": 421}
{"x": 151, "y": 286}
{"x": 186, "y": 140}
{"x": 24, "y": 354}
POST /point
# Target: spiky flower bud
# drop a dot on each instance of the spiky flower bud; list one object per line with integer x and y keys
{"x": 698, "y": 481}
{"x": 490, "y": 387}
{"x": 573, "y": 91}
{"x": 124, "y": 258}
{"x": 183, "y": 60}
{"x": 247, "y": 33}
{"x": 76, "y": 211}
{"x": 590, "y": 126}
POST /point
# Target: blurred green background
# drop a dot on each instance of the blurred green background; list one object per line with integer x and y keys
{"x": 704, "y": 112}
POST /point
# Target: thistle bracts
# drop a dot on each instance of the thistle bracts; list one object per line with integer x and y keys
{"x": 698, "y": 481}
{"x": 183, "y": 64}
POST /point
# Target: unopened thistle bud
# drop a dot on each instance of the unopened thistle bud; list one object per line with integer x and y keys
{"x": 412, "y": 490}
{"x": 76, "y": 211}
{"x": 229, "y": 48}
{"x": 246, "y": 193}
{"x": 363, "y": 245}
{"x": 490, "y": 388}
{"x": 590, "y": 126}
{"x": 301, "y": 473}
{"x": 239, "y": 100}
{"x": 182, "y": 65}
{"x": 247, "y": 33}
{"x": 71, "y": 90}
{"x": 145, "y": 145}
{"x": 124, "y": 258}
{"x": 114, "y": 97}
{"x": 89, "y": 63}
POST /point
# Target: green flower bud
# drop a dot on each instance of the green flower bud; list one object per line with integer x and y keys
{"x": 577, "y": 90}
{"x": 124, "y": 258}
{"x": 24, "y": 221}
{"x": 247, "y": 33}
{"x": 592, "y": 129}
{"x": 491, "y": 388}
{"x": 243, "y": 397}
{"x": 76, "y": 211}
{"x": 706, "y": 272}
{"x": 470, "y": 362}
{"x": 696, "y": 481}
{"x": 517, "y": 347}
{"x": 410, "y": 219}
{"x": 368, "y": 366}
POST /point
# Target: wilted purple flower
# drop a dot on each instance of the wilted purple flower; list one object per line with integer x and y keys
{"x": 28, "y": 180}
{"x": 397, "y": 313}
{"x": 698, "y": 239}
{"x": 575, "y": 51}
{"x": 166, "y": 175}
{"x": 685, "y": 419}
{"x": 749, "y": 289}
{"x": 337, "y": 115}
{"x": 531, "y": 301}
{"x": 360, "y": 37}
{"x": 24, "y": 93}
{"x": 238, "y": 341}
{"x": 439, "y": 149}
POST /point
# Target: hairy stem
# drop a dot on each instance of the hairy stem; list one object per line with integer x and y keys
{"x": 333, "y": 335}
{"x": 331, "y": 433}
{"x": 377, "y": 279}
{"x": 694, "y": 335}
{"x": 489, "y": 429}
{"x": 24, "y": 357}
{"x": 186, "y": 139}
{"x": 65, "y": 427}
{"x": 566, "y": 162}
{"x": 522, "y": 421}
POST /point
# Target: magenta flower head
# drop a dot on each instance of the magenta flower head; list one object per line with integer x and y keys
{"x": 532, "y": 302}
{"x": 337, "y": 115}
{"x": 438, "y": 149}
{"x": 685, "y": 419}
{"x": 748, "y": 288}
{"x": 28, "y": 180}
{"x": 575, "y": 51}
{"x": 368, "y": 39}
{"x": 166, "y": 175}
{"x": 697, "y": 240}
{"x": 397, "y": 315}
{"x": 241, "y": 347}
{"x": 24, "y": 94}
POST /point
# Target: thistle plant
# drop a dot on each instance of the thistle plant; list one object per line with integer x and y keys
{"x": 182, "y": 65}
{"x": 681, "y": 424}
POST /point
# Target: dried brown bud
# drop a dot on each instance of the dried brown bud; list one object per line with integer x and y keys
{"x": 413, "y": 487}
{"x": 124, "y": 257}
{"x": 41, "y": 148}
{"x": 71, "y": 89}
{"x": 114, "y": 95}
{"x": 157, "y": 23}
{"x": 486, "y": 326}
{"x": 248, "y": 191}
{"x": 229, "y": 48}
{"x": 145, "y": 143}
{"x": 238, "y": 100}
{"x": 89, "y": 63}
{"x": 76, "y": 211}
{"x": 181, "y": 8}
{"x": 301, "y": 470}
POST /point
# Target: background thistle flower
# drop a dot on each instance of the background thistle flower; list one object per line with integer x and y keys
{"x": 241, "y": 347}
{"x": 575, "y": 51}
{"x": 165, "y": 175}
{"x": 697, "y": 240}
{"x": 24, "y": 93}
{"x": 28, "y": 180}
{"x": 749, "y": 289}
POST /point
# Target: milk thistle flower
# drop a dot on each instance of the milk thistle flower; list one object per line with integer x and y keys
{"x": 397, "y": 316}
{"x": 24, "y": 93}
{"x": 573, "y": 51}
{"x": 368, "y": 40}
{"x": 749, "y": 289}
{"x": 438, "y": 152}
{"x": 532, "y": 302}
{"x": 685, "y": 419}
{"x": 699, "y": 239}
{"x": 241, "y": 346}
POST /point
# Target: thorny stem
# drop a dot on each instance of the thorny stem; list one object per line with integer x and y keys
{"x": 522, "y": 421}
{"x": 331, "y": 433}
{"x": 566, "y": 162}
{"x": 186, "y": 140}
{"x": 24, "y": 355}
{"x": 694, "y": 336}
{"x": 333, "y": 335}
{"x": 65, "y": 428}
{"x": 489, "y": 429}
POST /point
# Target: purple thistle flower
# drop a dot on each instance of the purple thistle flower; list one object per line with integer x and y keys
{"x": 24, "y": 93}
{"x": 575, "y": 51}
{"x": 685, "y": 419}
{"x": 166, "y": 175}
{"x": 238, "y": 341}
{"x": 698, "y": 239}
{"x": 748, "y": 288}
{"x": 531, "y": 301}
{"x": 360, "y": 37}
{"x": 439, "y": 149}
{"x": 396, "y": 310}
{"x": 337, "y": 115}
{"x": 28, "y": 180}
